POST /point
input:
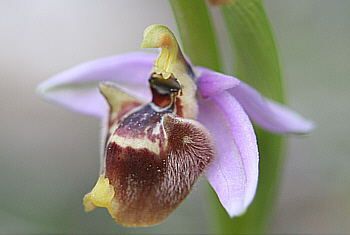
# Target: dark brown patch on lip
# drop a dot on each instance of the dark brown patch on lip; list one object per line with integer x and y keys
{"x": 142, "y": 123}
{"x": 136, "y": 179}
{"x": 127, "y": 166}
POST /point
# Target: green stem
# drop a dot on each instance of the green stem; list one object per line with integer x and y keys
{"x": 196, "y": 31}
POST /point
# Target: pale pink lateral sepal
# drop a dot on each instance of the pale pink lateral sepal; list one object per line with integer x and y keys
{"x": 269, "y": 114}
{"x": 77, "y": 88}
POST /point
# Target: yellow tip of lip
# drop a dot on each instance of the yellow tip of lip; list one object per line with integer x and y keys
{"x": 101, "y": 195}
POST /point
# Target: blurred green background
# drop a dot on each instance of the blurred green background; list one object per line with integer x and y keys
{"x": 49, "y": 157}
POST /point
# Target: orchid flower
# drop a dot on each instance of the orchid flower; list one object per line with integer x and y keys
{"x": 167, "y": 122}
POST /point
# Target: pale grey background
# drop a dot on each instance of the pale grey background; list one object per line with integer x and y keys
{"x": 49, "y": 156}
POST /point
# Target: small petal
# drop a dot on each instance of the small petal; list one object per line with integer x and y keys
{"x": 77, "y": 88}
{"x": 269, "y": 114}
{"x": 211, "y": 82}
{"x": 234, "y": 174}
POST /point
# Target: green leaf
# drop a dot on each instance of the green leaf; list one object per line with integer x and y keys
{"x": 255, "y": 50}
